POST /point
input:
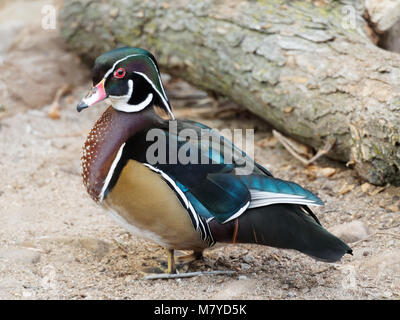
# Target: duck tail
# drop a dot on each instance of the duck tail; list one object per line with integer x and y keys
{"x": 285, "y": 226}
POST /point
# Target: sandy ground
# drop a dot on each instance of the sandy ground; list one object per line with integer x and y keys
{"x": 55, "y": 243}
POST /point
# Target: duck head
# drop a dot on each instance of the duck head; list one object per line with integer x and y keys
{"x": 130, "y": 79}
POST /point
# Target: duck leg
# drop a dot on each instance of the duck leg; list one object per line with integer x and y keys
{"x": 187, "y": 258}
{"x": 171, "y": 261}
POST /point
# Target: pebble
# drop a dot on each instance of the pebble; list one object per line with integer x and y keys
{"x": 244, "y": 266}
{"x": 248, "y": 259}
{"x": 352, "y": 231}
{"x": 242, "y": 278}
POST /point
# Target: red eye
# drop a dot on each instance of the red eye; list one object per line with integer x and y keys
{"x": 120, "y": 73}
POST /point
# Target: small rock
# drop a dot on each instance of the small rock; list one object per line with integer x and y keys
{"x": 242, "y": 278}
{"x": 244, "y": 266}
{"x": 365, "y": 187}
{"x": 352, "y": 231}
{"x": 248, "y": 259}
{"x": 291, "y": 294}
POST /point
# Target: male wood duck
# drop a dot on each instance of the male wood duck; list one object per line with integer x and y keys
{"x": 179, "y": 204}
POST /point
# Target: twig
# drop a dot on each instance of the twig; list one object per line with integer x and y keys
{"x": 290, "y": 148}
{"x": 54, "y": 111}
{"x": 390, "y": 227}
{"x": 187, "y": 274}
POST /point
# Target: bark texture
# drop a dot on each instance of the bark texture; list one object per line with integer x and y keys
{"x": 308, "y": 68}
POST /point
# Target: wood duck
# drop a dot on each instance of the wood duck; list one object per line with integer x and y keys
{"x": 179, "y": 204}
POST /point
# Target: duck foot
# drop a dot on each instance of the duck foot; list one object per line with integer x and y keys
{"x": 188, "y": 258}
{"x": 171, "y": 262}
{"x": 188, "y": 274}
{"x": 181, "y": 259}
{"x": 296, "y": 151}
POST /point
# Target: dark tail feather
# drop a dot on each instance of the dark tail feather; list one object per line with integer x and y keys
{"x": 283, "y": 226}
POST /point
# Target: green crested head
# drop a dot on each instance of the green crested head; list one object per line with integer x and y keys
{"x": 130, "y": 78}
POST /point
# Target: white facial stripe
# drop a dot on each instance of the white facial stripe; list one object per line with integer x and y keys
{"x": 111, "y": 172}
{"x": 159, "y": 93}
{"x": 109, "y": 71}
{"x": 159, "y": 79}
{"x": 125, "y": 107}
{"x": 121, "y": 102}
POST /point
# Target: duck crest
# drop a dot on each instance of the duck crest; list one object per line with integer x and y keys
{"x": 103, "y": 144}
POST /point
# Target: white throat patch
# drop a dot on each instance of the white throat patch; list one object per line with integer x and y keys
{"x": 120, "y": 103}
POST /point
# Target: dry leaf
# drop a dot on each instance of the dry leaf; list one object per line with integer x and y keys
{"x": 311, "y": 172}
{"x": 377, "y": 190}
{"x": 299, "y": 148}
{"x": 269, "y": 142}
{"x": 350, "y": 163}
{"x": 393, "y": 207}
{"x": 314, "y": 170}
{"x": 346, "y": 188}
{"x": 275, "y": 257}
{"x": 366, "y": 186}
{"x": 320, "y": 3}
{"x": 328, "y": 172}
{"x": 288, "y": 109}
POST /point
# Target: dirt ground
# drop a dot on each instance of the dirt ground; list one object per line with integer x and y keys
{"x": 56, "y": 243}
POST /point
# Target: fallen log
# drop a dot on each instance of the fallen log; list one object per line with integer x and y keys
{"x": 314, "y": 58}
